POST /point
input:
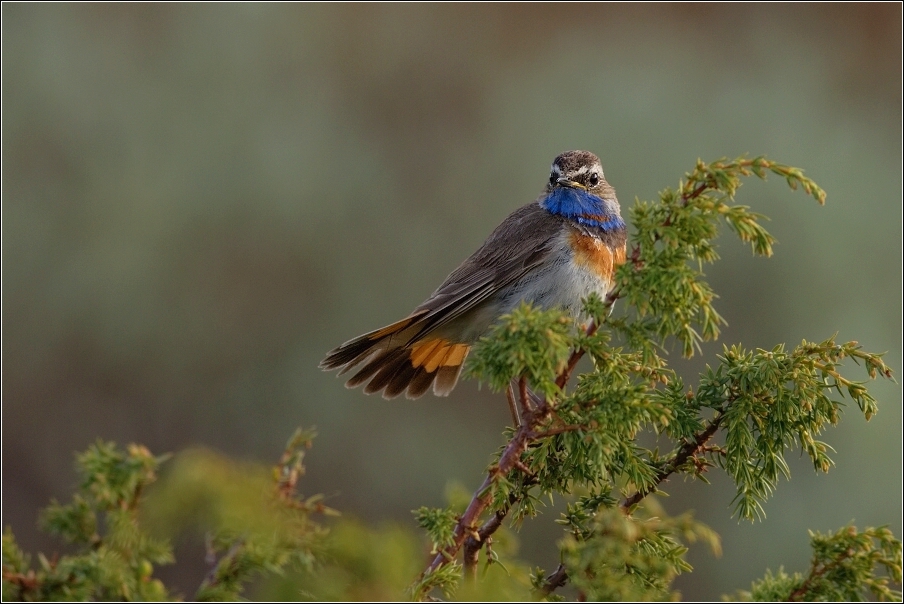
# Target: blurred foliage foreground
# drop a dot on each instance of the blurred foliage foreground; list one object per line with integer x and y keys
{"x": 579, "y": 442}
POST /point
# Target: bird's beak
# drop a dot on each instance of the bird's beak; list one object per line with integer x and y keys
{"x": 564, "y": 182}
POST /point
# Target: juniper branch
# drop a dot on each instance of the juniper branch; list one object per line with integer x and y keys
{"x": 466, "y": 526}
{"x": 685, "y": 452}
{"x": 533, "y": 417}
{"x": 475, "y": 542}
{"x": 554, "y": 581}
{"x": 578, "y": 353}
{"x": 224, "y": 570}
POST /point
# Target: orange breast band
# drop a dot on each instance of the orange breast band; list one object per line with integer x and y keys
{"x": 595, "y": 255}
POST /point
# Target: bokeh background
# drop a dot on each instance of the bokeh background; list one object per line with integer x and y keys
{"x": 200, "y": 200}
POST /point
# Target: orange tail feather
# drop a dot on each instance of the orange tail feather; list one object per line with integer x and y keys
{"x": 394, "y": 365}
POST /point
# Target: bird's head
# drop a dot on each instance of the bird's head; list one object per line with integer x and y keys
{"x": 578, "y": 170}
{"x": 578, "y": 191}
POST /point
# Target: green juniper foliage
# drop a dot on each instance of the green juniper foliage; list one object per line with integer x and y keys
{"x": 624, "y": 558}
{"x": 438, "y": 523}
{"x": 254, "y": 520}
{"x": 745, "y": 413}
{"x": 263, "y": 530}
{"x": 115, "y": 557}
{"x": 843, "y": 570}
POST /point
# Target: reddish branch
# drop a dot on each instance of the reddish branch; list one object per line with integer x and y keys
{"x": 511, "y": 459}
{"x": 563, "y": 377}
{"x": 466, "y": 533}
{"x": 816, "y": 572}
{"x": 687, "y": 451}
{"x": 533, "y": 416}
{"x": 27, "y": 582}
{"x": 554, "y": 581}
{"x": 224, "y": 566}
{"x": 576, "y": 356}
{"x": 522, "y": 394}
{"x": 474, "y": 543}
{"x": 686, "y": 197}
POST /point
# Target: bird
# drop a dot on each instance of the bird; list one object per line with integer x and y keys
{"x": 553, "y": 252}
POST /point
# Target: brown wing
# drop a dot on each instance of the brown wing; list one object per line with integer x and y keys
{"x": 522, "y": 242}
{"x": 404, "y": 356}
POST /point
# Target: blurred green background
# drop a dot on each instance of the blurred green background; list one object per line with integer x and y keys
{"x": 200, "y": 200}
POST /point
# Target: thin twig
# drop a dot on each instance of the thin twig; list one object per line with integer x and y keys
{"x": 686, "y": 451}
{"x": 474, "y": 543}
{"x": 686, "y": 197}
{"x": 513, "y": 407}
{"x": 816, "y": 571}
{"x": 559, "y": 430}
{"x": 563, "y": 377}
{"x": 522, "y": 394}
{"x": 211, "y": 580}
{"x": 554, "y": 581}
{"x": 527, "y": 471}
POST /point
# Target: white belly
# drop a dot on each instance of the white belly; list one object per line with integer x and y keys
{"x": 559, "y": 282}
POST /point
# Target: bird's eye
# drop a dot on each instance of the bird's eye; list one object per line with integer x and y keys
{"x": 594, "y": 179}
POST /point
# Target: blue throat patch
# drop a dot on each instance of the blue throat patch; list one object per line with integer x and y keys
{"x": 584, "y": 208}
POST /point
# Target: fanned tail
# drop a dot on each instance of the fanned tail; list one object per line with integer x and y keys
{"x": 394, "y": 363}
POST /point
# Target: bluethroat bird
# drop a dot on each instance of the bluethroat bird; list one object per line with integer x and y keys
{"x": 551, "y": 253}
